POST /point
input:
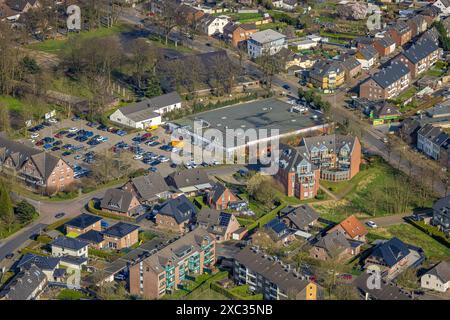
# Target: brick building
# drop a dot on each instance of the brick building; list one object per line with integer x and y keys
{"x": 36, "y": 169}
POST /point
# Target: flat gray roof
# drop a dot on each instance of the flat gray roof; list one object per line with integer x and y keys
{"x": 261, "y": 114}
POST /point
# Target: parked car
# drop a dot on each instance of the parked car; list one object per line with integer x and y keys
{"x": 59, "y": 215}
{"x": 53, "y": 120}
{"x": 73, "y": 130}
{"x": 34, "y": 135}
{"x": 371, "y": 224}
{"x": 121, "y": 133}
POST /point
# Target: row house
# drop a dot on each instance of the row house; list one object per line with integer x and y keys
{"x": 163, "y": 271}
{"x": 385, "y": 45}
{"x": 38, "y": 170}
{"x": 400, "y": 33}
{"x": 417, "y": 24}
{"x": 387, "y": 83}
{"x": 267, "y": 275}
{"x": 238, "y": 33}
{"x": 352, "y": 66}
{"x": 420, "y": 56}
{"x": 430, "y": 140}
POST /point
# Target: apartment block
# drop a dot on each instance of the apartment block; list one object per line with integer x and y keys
{"x": 163, "y": 271}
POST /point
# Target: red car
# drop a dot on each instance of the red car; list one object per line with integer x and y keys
{"x": 58, "y": 136}
{"x": 40, "y": 143}
{"x": 146, "y": 135}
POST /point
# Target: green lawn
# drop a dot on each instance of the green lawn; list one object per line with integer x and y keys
{"x": 69, "y": 294}
{"x": 434, "y": 251}
{"x": 57, "y": 45}
{"x": 378, "y": 190}
{"x": 13, "y": 104}
{"x": 206, "y": 294}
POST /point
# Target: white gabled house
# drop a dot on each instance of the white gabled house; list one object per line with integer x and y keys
{"x": 211, "y": 25}
{"x": 443, "y": 5}
{"x": 148, "y": 112}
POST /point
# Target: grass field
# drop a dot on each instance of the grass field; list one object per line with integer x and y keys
{"x": 370, "y": 193}
{"x": 434, "y": 251}
{"x": 57, "y": 45}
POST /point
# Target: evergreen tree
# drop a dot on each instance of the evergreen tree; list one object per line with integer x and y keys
{"x": 24, "y": 211}
{"x": 153, "y": 87}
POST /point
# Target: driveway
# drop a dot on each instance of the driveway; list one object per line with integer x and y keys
{"x": 389, "y": 220}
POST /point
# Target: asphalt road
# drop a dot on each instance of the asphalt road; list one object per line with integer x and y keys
{"x": 19, "y": 239}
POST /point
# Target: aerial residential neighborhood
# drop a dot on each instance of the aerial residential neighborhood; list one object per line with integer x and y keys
{"x": 224, "y": 150}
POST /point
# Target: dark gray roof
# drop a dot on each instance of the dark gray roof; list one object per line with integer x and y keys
{"x": 24, "y": 284}
{"x": 385, "y": 109}
{"x": 42, "y": 262}
{"x": 271, "y": 270}
{"x": 120, "y": 230}
{"x": 401, "y": 27}
{"x": 435, "y": 134}
{"x": 387, "y": 291}
{"x": 149, "y": 186}
{"x": 84, "y": 220}
{"x": 117, "y": 200}
{"x": 69, "y": 243}
{"x": 333, "y": 142}
{"x": 188, "y": 178}
{"x": 390, "y": 74}
{"x": 217, "y": 191}
{"x": 368, "y": 52}
{"x": 334, "y": 243}
{"x": 386, "y": 41}
{"x": 442, "y": 271}
{"x": 350, "y": 63}
{"x": 300, "y": 216}
{"x": 74, "y": 260}
{"x": 20, "y": 153}
{"x": 92, "y": 236}
{"x": 324, "y": 67}
{"x": 180, "y": 208}
{"x": 443, "y": 206}
{"x": 390, "y": 252}
{"x": 214, "y": 221}
{"x": 152, "y": 104}
{"x": 420, "y": 50}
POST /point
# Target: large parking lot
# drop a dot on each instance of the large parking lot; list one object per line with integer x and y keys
{"x": 78, "y": 142}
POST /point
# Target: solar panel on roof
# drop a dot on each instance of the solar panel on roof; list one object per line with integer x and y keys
{"x": 224, "y": 219}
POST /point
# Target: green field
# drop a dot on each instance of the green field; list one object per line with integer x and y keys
{"x": 377, "y": 190}
{"x": 434, "y": 251}
{"x": 57, "y": 45}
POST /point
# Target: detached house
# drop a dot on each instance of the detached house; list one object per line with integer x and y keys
{"x": 212, "y": 25}
{"x": 352, "y": 66}
{"x": 120, "y": 202}
{"x": 334, "y": 245}
{"x": 238, "y": 33}
{"x": 220, "y": 225}
{"x": 441, "y": 214}
{"x": 65, "y": 246}
{"x": 387, "y": 83}
{"x": 83, "y": 223}
{"x": 176, "y": 214}
{"x": 121, "y": 235}
{"x": 390, "y": 256}
{"x": 267, "y": 42}
{"x": 420, "y": 56}
{"x": 437, "y": 278}
{"x": 351, "y": 228}
{"x": 220, "y": 197}
{"x": 26, "y": 285}
{"x": 288, "y": 5}
{"x": 302, "y": 218}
